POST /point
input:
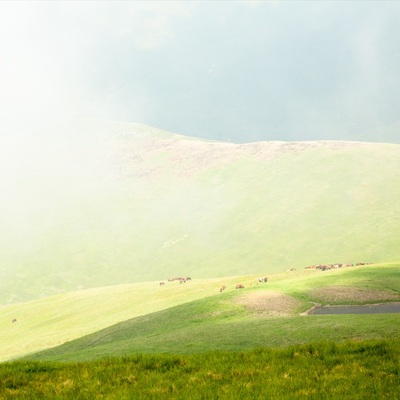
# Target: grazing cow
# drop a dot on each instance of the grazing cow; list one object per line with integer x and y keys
{"x": 162, "y": 283}
{"x": 14, "y": 320}
{"x": 239, "y": 286}
{"x": 263, "y": 279}
{"x": 222, "y": 288}
{"x": 324, "y": 267}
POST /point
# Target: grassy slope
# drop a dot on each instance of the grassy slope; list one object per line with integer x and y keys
{"x": 50, "y": 321}
{"x": 351, "y": 370}
{"x": 157, "y": 205}
{"x": 206, "y": 319}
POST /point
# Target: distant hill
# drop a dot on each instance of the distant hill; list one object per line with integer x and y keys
{"x": 100, "y": 203}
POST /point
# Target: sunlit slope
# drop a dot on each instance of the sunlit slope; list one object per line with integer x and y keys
{"x": 53, "y": 320}
{"x": 130, "y": 203}
{"x": 196, "y": 316}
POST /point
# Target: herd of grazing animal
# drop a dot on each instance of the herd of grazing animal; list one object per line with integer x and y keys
{"x": 222, "y": 288}
{"x": 181, "y": 279}
{"x": 322, "y": 267}
{"x": 326, "y": 267}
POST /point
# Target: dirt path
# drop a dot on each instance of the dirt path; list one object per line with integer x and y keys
{"x": 365, "y": 309}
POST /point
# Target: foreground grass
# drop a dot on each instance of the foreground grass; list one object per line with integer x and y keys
{"x": 325, "y": 370}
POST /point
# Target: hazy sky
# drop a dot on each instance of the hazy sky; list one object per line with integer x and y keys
{"x": 240, "y": 71}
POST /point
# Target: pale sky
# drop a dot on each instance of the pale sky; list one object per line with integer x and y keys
{"x": 240, "y": 71}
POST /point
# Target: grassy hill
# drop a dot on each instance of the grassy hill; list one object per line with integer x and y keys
{"x": 196, "y": 317}
{"x": 112, "y": 203}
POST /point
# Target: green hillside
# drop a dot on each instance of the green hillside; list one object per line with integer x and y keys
{"x": 196, "y": 317}
{"x": 117, "y": 203}
{"x": 53, "y": 320}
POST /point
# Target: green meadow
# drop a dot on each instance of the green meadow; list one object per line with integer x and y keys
{"x": 191, "y": 341}
{"x": 196, "y": 317}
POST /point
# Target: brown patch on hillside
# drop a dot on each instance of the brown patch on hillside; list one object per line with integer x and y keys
{"x": 269, "y": 303}
{"x": 335, "y": 294}
{"x": 147, "y": 152}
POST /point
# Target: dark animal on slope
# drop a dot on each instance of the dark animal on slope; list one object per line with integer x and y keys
{"x": 239, "y": 286}
{"x": 325, "y": 267}
{"x": 14, "y": 320}
{"x": 162, "y": 283}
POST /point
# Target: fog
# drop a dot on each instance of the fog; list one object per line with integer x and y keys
{"x": 239, "y": 71}
{"x": 236, "y": 71}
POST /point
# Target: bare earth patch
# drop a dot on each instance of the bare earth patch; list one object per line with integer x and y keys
{"x": 269, "y": 303}
{"x": 345, "y": 293}
{"x": 188, "y": 156}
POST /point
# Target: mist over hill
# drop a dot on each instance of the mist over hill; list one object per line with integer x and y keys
{"x": 236, "y": 71}
{"x": 104, "y": 203}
